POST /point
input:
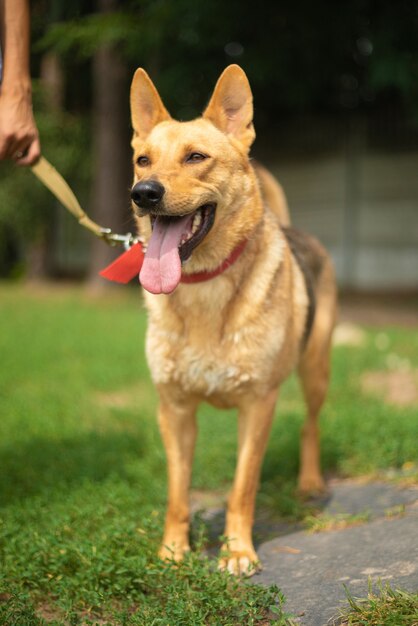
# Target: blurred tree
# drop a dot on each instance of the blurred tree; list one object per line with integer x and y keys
{"x": 112, "y": 170}
{"x": 300, "y": 56}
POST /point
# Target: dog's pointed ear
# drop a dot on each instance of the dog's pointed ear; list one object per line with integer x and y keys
{"x": 147, "y": 109}
{"x": 231, "y": 106}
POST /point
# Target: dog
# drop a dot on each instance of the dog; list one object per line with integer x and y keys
{"x": 236, "y": 297}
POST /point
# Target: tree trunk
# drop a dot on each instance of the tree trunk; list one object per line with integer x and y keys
{"x": 53, "y": 81}
{"x": 112, "y": 170}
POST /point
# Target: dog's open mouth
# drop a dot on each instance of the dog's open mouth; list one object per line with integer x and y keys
{"x": 197, "y": 225}
{"x": 172, "y": 241}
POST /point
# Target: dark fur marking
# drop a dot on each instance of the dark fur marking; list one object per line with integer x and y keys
{"x": 310, "y": 260}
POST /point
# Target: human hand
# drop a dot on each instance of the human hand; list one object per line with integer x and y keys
{"x": 19, "y": 138}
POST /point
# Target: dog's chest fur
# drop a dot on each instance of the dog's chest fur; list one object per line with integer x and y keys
{"x": 202, "y": 361}
{"x": 219, "y": 342}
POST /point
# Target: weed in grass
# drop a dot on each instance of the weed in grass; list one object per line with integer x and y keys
{"x": 192, "y": 592}
{"x": 338, "y": 521}
{"x": 387, "y": 607}
{"x": 95, "y": 563}
{"x": 398, "y": 510}
{"x": 17, "y": 608}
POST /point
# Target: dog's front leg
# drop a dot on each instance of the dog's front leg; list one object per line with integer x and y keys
{"x": 178, "y": 431}
{"x": 255, "y": 420}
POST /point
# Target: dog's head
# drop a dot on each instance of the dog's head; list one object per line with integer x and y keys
{"x": 190, "y": 178}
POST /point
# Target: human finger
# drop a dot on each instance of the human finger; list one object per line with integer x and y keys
{"x": 9, "y": 144}
{"x": 31, "y": 154}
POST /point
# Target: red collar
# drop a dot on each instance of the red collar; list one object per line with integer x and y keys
{"x": 200, "y": 277}
{"x": 128, "y": 265}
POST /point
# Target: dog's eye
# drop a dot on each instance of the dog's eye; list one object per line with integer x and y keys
{"x": 143, "y": 161}
{"x": 195, "y": 157}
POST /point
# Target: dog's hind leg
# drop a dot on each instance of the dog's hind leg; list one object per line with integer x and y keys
{"x": 255, "y": 418}
{"x": 314, "y": 368}
{"x": 314, "y": 378}
{"x": 178, "y": 430}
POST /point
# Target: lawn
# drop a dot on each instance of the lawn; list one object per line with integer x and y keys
{"x": 82, "y": 481}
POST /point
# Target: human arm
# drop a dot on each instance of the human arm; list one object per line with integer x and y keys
{"x": 19, "y": 139}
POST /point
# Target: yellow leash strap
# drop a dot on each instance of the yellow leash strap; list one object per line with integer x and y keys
{"x": 53, "y": 180}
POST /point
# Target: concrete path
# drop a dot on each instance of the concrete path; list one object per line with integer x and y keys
{"x": 311, "y": 569}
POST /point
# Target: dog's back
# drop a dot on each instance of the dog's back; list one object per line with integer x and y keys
{"x": 272, "y": 193}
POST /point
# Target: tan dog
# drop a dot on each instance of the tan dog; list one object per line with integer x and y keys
{"x": 245, "y": 298}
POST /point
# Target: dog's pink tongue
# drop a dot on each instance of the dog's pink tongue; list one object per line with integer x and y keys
{"x": 161, "y": 270}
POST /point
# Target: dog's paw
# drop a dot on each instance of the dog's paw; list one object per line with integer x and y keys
{"x": 311, "y": 485}
{"x": 172, "y": 551}
{"x": 239, "y": 563}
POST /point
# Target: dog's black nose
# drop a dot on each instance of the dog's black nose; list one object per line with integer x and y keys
{"x": 147, "y": 193}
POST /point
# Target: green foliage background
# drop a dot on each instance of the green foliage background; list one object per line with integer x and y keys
{"x": 27, "y": 208}
{"x": 323, "y": 59}
{"x": 295, "y": 53}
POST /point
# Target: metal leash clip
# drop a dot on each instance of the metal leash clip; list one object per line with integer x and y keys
{"x": 114, "y": 239}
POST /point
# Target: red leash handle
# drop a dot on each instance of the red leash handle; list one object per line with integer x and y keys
{"x": 126, "y": 266}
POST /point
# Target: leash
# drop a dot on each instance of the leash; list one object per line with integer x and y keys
{"x": 128, "y": 265}
{"x": 53, "y": 180}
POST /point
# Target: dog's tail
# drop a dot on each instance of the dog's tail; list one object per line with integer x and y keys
{"x": 272, "y": 193}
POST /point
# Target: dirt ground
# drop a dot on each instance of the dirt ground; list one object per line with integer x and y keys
{"x": 397, "y": 387}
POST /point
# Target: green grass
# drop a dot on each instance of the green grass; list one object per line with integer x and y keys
{"x": 386, "y": 607}
{"x": 82, "y": 480}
